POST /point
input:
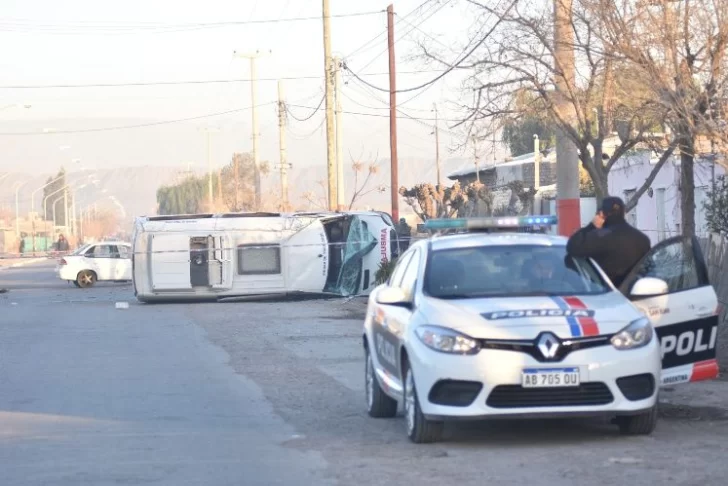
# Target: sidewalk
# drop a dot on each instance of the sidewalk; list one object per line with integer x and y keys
{"x": 6, "y": 263}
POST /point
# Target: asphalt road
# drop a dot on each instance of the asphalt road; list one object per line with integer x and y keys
{"x": 272, "y": 393}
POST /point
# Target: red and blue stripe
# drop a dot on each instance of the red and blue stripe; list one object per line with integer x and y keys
{"x": 579, "y": 326}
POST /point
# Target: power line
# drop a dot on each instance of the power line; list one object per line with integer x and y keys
{"x": 18, "y": 25}
{"x": 451, "y": 68}
{"x": 359, "y": 49}
{"x": 379, "y": 115}
{"x": 140, "y": 125}
{"x": 431, "y": 14}
{"x": 187, "y": 82}
{"x": 315, "y": 110}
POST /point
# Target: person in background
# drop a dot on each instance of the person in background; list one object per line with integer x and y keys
{"x": 611, "y": 241}
{"x": 404, "y": 233}
{"x": 62, "y": 243}
{"x": 21, "y": 246}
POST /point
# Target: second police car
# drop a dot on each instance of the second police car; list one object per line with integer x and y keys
{"x": 506, "y": 325}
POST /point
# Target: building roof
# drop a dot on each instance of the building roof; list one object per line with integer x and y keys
{"x": 529, "y": 158}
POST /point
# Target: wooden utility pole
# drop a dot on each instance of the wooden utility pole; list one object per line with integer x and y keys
{"x": 437, "y": 147}
{"x": 339, "y": 139}
{"x": 476, "y": 158}
{"x": 567, "y": 157}
{"x": 330, "y": 136}
{"x": 394, "y": 184}
{"x": 253, "y": 57}
{"x": 282, "y": 143}
{"x": 236, "y": 174}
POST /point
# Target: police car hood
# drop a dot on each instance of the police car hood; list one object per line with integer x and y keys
{"x": 526, "y": 317}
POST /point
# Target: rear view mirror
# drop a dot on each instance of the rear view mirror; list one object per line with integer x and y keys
{"x": 392, "y": 296}
{"x": 649, "y": 286}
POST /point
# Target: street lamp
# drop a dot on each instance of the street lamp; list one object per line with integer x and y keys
{"x": 32, "y": 202}
{"x": 17, "y": 187}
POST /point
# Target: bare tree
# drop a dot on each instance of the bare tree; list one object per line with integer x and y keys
{"x": 514, "y": 76}
{"x": 677, "y": 50}
{"x": 372, "y": 171}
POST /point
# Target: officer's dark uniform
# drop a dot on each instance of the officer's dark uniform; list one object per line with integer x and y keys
{"x": 617, "y": 247}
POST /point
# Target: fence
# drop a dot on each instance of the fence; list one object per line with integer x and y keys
{"x": 715, "y": 251}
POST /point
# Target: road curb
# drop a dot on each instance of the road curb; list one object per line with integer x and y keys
{"x": 23, "y": 263}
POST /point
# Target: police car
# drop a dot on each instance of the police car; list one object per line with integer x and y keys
{"x": 504, "y": 324}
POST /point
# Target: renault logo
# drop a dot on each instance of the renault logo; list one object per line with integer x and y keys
{"x": 548, "y": 344}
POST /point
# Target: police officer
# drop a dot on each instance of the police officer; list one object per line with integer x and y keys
{"x": 612, "y": 242}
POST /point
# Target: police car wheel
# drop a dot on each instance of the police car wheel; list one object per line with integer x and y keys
{"x": 379, "y": 404}
{"x": 642, "y": 424}
{"x": 419, "y": 429}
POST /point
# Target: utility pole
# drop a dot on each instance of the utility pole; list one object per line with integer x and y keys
{"x": 282, "y": 143}
{"x": 476, "y": 159}
{"x": 254, "y": 100}
{"x": 437, "y": 148}
{"x": 65, "y": 207}
{"x": 339, "y": 139}
{"x": 567, "y": 159}
{"x": 536, "y": 162}
{"x": 237, "y": 182}
{"x": 330, "y": 81}
{"x": 219, "y": 185}
{"x": 209, "y": 170}
{"x": 394, "y": 184}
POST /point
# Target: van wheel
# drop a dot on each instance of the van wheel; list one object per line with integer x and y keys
{"x": 642, "y": 424}
{"x": 379, "y": 404}
{"x": 86, "y": 278}
{"x": 419, "y": 429}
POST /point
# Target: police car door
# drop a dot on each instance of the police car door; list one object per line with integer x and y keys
{"x": 391, "y": 320}
{"x": 686, "y": 318}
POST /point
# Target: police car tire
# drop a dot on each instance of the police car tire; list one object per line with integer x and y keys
{"x": 424, "y": 431}
{"x": 642, "y": 424}
{"x": 382, "y": 406}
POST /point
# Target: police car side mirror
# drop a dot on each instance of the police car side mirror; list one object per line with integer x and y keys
{"x": 649, "y": 287}
{"x": 392, "y": 296}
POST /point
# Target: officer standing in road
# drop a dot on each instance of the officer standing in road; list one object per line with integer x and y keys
{"x": 613, "y": 243}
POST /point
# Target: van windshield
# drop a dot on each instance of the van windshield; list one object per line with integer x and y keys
{"x": 349, "y": 241}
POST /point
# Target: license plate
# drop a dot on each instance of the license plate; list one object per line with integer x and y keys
{"x": 550, "y": 377}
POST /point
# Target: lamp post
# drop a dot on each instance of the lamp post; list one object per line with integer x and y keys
{"x": 17, "y": 187}
{"x": 32, "y": 202}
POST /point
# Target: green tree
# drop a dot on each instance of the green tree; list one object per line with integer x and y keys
{"x": 716, "y": 207}
{"x": 518, "y": 135}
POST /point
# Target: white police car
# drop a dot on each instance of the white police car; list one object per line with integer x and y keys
{"x": 499, "y": 325}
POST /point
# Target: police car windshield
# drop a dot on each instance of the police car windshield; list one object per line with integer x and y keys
{"x": 512, "y": 270}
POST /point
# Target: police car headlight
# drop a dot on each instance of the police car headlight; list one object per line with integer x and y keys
{"x": 639, "y": 333}
{"x": 447, "y": 340}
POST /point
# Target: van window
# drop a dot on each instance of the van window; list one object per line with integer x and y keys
{"x": 259, "y": 259}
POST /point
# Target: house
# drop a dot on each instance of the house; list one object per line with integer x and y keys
{"x": 658, "y": 211}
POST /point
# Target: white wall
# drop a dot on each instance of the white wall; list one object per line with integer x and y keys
{"x": 629, "y": 174}
{"x": 587, "y": 208}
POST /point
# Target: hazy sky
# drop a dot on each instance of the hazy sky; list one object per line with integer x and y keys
{"x": 47, "y": 42}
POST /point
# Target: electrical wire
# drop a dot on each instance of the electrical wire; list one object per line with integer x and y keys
{"x": 24, "y": 26}
{"x": 315, "y": 110}
{"x": 447, "y": 71}
{"x": 378, "y": 115}
{"x": 140, "y": 125}
{"x": 189, "y": 82}
{"x": 359, "y": 49}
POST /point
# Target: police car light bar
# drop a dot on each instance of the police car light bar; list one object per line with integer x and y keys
{"x": 488, "y": 223}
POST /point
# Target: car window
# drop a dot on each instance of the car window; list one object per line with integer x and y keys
{"x": 409, "y": 277}
{"x": 396, "y": 279}
{"x": 510, "y": 270}
{"x": 124, "y": 251}
{"x": 100, "y": 251}
{"x": 675, "y": 263}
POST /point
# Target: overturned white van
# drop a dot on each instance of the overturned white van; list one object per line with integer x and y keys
{"x": 214, "y": 256}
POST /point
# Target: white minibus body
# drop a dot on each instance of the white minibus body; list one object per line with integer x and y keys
{"x": 213, "y": 256}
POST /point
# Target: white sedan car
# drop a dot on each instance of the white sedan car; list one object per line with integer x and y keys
{"x": 108, "y": 260}
{"x": 480, "y": 326}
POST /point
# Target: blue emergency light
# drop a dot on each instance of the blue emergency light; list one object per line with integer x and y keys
{"x": 514, "y": 222}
